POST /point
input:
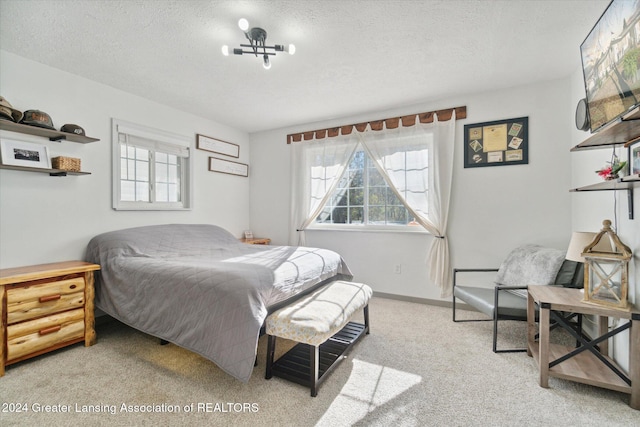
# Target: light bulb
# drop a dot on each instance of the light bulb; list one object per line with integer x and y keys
{"x": 225, "y": 50}
{"x": 292, "y": 49}
{"x": 243, "y": 24}
{"x": 266, "y": 64}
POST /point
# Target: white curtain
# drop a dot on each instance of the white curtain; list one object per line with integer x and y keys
{"x": 404, "y": 155}
{"x": 316, "y": 168}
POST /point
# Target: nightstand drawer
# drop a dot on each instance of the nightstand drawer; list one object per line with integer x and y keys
{"x": 30, "y": 302}
{"x": 29, "y": 337}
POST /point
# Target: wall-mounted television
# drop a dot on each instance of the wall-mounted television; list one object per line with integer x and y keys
{"x": 611, "y": 63}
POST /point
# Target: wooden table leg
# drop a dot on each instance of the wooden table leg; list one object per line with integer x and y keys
{"x": 544, "y": 345}
{"x": 603, "y": 328}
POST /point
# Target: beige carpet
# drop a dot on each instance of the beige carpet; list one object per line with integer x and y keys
{"x": 416, "y": 368}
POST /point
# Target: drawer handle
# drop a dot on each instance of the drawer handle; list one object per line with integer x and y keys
{"x": 50, "y": 298}
{"x": 50, "y": 330}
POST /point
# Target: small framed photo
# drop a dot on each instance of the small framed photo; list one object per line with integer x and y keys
{"x": 217, "y": 146}
{"x": 634, "y": 158}
{"x": 248, "y": 234}
{"x": 28, "y": 154}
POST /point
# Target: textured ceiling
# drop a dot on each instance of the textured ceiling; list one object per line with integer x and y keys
{"x": 352, "y": 56}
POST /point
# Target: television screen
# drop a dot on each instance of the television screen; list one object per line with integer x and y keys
{"x": 611, "y": 63}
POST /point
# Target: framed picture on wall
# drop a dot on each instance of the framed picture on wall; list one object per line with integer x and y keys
{"x": 21, "y": 153}
{"x": 497, "y": 143}
{"x": 217, "y": 146}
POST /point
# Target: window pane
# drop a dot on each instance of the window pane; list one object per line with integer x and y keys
{"x": 340, "y": 216}
{"x": 356, "y": 215}
{"x": 142, "y": 154}
{"x": 142, "y": 191}
{"x": 396, "y": 215}
{"x": 375, "y": 178}
{"x": 142, "y": 171}
{"x": 123, "y": 169}
{"x": 161, "y": 193}
{"x": 357, "y": 179}
{"x": 173, "y": 174}
{"x": 131, "y": 169}
{"x": 377, "y": 196}
{"x": 161, "y": 172}
{"x": 356, "y": 196}
{"x": 127, "y": 191}
{"x": 161, "y": 157}
{"x": 174, "y": 192}
{"x": 377, "y": 215}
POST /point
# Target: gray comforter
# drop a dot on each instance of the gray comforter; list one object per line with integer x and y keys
{"x": 197, "y": 286}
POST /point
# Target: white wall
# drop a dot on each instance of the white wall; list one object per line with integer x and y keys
{"x": 493, "y": 209}
{"x": 46, "y": 219}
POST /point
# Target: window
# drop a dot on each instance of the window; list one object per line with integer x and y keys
{"x": 151, "y": 169}
{"x": 363, "y": 197}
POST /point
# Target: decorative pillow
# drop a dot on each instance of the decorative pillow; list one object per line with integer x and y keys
{"x": 530, "y": 265}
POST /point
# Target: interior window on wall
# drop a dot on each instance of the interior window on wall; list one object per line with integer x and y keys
{"x": 364, "y": 197}
{"x": 152, "y": 169}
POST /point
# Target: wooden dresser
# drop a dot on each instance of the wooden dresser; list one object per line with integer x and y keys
{"x": 45, "y": 307}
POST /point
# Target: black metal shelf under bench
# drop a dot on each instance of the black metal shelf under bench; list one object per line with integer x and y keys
{"x": 295, "y": 365}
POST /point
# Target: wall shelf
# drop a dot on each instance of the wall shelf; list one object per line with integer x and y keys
{"x": 51, "y": 172}
{"x": 624, "y": 183}
{"x": 617, "y": 133}
{"x": 52, "y": 135}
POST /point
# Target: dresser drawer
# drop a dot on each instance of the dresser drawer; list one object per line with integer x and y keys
{"x": 39, "y": 334}
{"x": 30, "y": 302}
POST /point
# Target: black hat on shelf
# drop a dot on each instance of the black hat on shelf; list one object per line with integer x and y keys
{"x": 71, "y": 128}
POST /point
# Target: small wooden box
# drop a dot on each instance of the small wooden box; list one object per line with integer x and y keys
{"x": 66, "y": 163}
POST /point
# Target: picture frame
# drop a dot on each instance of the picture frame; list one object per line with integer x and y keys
{"x": 497, "y": 143}
{"x": 633, "y": 156}
{"x": 24, "y": 154}
{"x": 228, "y": 167}
{"x": 217, "y": 146}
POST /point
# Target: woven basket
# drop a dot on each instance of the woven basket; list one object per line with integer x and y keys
{"x": 66, "y": 163}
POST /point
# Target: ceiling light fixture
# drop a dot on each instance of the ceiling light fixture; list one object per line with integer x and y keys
{"x": 257, "y": 37}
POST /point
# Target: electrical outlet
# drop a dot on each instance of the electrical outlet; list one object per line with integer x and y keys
{"x": 398, "y": 268}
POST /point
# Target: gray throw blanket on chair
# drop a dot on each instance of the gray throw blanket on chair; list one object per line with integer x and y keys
{"x": 530, "y": 265}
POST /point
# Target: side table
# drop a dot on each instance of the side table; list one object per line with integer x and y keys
{"x": 588, "y": 363}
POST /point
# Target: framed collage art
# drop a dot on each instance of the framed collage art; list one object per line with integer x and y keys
{"x": 497, "y": 143}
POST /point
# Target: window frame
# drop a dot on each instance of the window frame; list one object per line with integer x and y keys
{"x": 162, "y": 138}
{"x": 405, "y": 228}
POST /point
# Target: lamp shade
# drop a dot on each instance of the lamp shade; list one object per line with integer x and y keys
{"x": 582, "y": 239}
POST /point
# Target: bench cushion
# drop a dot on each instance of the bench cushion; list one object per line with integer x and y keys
{"x": 314, "y": 319}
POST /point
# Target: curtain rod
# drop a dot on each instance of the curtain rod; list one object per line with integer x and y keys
{"x": 391, "y": 123}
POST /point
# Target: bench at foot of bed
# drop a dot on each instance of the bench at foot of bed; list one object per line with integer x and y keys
{"x": 320, "y": 323}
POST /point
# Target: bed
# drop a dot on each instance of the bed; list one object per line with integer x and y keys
{"x": 199, "y": 287}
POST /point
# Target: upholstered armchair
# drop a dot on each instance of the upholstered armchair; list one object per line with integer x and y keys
{"x": 507, "y": 300}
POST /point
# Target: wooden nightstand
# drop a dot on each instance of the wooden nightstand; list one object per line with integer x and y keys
{"x": 45, "y": 307}
{"x": 256, "y": 241}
